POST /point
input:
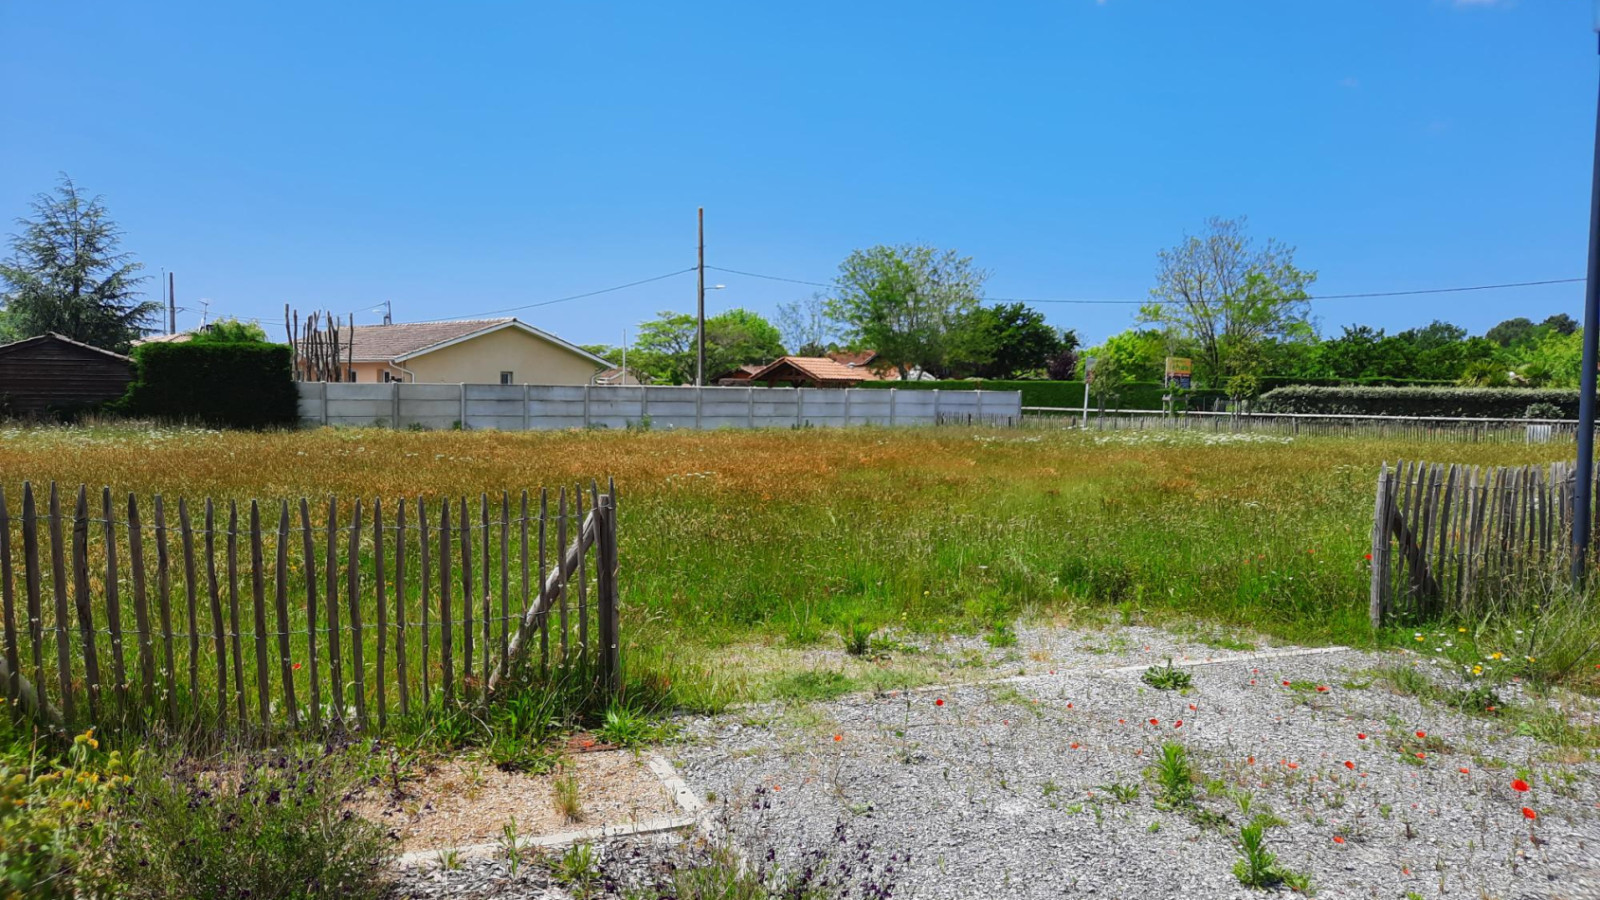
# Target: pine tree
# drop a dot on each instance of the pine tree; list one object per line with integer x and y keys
{"x": 67, "y": 275}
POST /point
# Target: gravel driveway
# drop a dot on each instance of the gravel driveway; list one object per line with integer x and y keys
{"x": 1025, "y": 788}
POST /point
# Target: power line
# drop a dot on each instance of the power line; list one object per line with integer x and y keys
{"x": 585, "y": 294}
{"x": 1369, "y": 294}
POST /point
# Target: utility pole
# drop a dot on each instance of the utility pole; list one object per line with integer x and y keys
{"x": 388, "y": 312}
{"x": 700, "y": 330}
{"x": 1584, "y": 473}
{"x": 172, "y": 304}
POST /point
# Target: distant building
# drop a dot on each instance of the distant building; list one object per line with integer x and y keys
{"x": 55, "y": 373}
{"x": 810, "y": 371}
{"x": 481, "y": 351}
{"x": 621, "y": 377}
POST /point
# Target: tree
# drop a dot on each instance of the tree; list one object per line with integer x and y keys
{"x": 1561, "y": 323}
{"x": 604, "y": 351}
{"x": 1014, "y": 340}
{"x": 230, "y": 331}
{"x": 66, "y": 275}
{"x": 1138, "y": 355}
{"x": 905, "y": 301}
{"x": 1511, "y": 331}
{"x": 806, "y": 327}
{"x": 1226, "y": 294}
{"x": 666, "y": 350}
{"x": 1063, "y": 366}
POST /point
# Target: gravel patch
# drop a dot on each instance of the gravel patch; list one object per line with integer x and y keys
{"x": 1023, "y": 788}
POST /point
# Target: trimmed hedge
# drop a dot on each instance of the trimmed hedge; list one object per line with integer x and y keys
{"x": 1483, "y": 403}
{"x": 228, "y": 385}
{"x": 1135, "y": 395}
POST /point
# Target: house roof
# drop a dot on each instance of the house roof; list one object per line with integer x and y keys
{"x": 817, "y": 368}
{"x": 52, "y": 336}
{"x": 174, "y": 338}
{"x": 856, "y": 358}
{"x": 397, "y": 343}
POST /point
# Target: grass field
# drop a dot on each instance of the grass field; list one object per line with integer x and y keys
{"x": 734, "y": 544}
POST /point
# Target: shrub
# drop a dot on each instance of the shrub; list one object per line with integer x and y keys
{"x": 237, "y": 384}
{"x": 50, "y": 818}
{"x": 259, "y": 827}
{"x": 1488, "y": 403}
{"x": 1542, "y": 411}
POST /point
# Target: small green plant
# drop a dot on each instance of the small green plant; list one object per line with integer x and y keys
{"x": 576, "y": 869}
{"x": 510, "y": 846}
{"x": 1121, "y": 792}
{"x": 1257, "y": 866}
{"x": 565, "y": 795}
{"x": 1173, "y": 775}
{"x": 1168, "y": 678}
{"x": 1001, "y": 636}
{"x": 449, "y": 860}
{"x": 857, "y": 637}
{"x": 625, "y": 726}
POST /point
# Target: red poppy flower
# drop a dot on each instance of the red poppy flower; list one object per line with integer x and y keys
{"x": 939, "y": 702}
{"x": 1122, "y": 721}
{"x": 1349, "y": 765}
{"x": 1250, "y": 760}
{"x": 838, "y": 737}
{"x": 1422, "y": 734}
{"x": 1529, "y": 814}
{"x": 1069, "y": 706}
{"x": 1519, "y": 786}
{"x": 1192, "y": 707}
{"x": 1178, "y": 724}
{"x": 1337, "y": 839}
{"x": 1252, "y": 682}
{"x": 1360, "y": 736}
{"x": 1322, "y": 689}
{"x": 1286, "y": 684}
{"x": 1464, "y": 770}
{"x": 777, "y": 787}
{"x": 1369, "y": 557}
{"x": 1294, "y": 765}
{"x": 297, "y": 667}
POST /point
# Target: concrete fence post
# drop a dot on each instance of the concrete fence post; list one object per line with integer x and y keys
{"x": 324, "y": 403}
{"x": 750, "y": 407}
{"x": 936, "y": 419}
{"x": 586, "y": 406}
{"x": 980, "y": 405}
{"x": 527, "y": 413}
{"x": 394, "y": 420}
{"x": 847, "y": 392}
{"x": 892, "y": 392}
{"x": 463, "y": 406}
{"x": 699, "y": 401}
{"x": 799, "y": 406}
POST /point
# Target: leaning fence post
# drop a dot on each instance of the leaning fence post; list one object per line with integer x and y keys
{"x": 1380, "y": 547}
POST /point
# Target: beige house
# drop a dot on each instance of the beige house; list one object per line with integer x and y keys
{"x": 480, "y": 351}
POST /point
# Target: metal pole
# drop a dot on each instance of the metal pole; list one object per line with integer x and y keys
{"x": 172, "y": 304}
{"x": 700, "y": 330}
{"x": 1591, "y": 344}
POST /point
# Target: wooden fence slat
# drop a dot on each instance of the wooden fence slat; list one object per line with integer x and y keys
{"x": 544, "y": 617}
{"x": 31, "y": 581}
{"x": 566, "y": 566}
{"x": 1379, "y": 549}
{"x": 523, "y": 531}
{"x": 466, "y": 593}
{"x": 191, "y": 589}
{"x": 9, "y": 599}
{"x": 583, "y": 583}
{"x": 353, "y": 595}
{"x": 119, "y": 669}
{"x": 331, "y": 599}
{"x": 425, "y": 575}
{"x": 505, "y": 573}
{"x": 561, "y": 542}
{"x": 141, "y": 608}
{"x": 285, "y": 655}
{"x": 164, "y": 608}
{"x": 606, "y": 584}
{"x": 309, "y": 559}
{"x": 484, "y": 587}
{"x": 219, "y": 627}
{"x": 446, "y": 636}
{"x": 80, "y": 594}
{"x": 400, "y": 634}
{"x": 379, "y": 575}
{"x": 58, "y": 587}
{"x": 235, "y": 631}
{"x": 258, "y": 601}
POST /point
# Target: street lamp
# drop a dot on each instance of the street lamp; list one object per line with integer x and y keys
{"x": 1582, "y": 495}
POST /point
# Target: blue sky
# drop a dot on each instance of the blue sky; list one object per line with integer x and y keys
{"x": 461, "y": 158}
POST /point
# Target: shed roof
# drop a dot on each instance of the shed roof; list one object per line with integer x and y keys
{"x": 404, "y": 341}
{"x": 817, "y": 368}
{"x": 50, "y": 336}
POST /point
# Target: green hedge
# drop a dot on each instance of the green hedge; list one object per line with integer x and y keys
{"x": 228, "y": 385}
{"x": 1135, "y": 395}
{"x": 1484, "y": 403}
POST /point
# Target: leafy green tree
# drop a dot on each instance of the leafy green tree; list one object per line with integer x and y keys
{"x": 1561, "y": 323}
{"x": 1137, "y": 355}
{"x": 1551, "y": 359}
{"x": 905, "y": 302}
{"x": 1063, "y": 366}
{"x": 604, "y": 351}
{"x": 1511, "y": 331}
{"x": 1225, "y": 294}
{"x": 230, "y": 331}
{"x": 1009, "y": 339}
{"x": 66, "y": 274}
{"x": 666, "y": 351}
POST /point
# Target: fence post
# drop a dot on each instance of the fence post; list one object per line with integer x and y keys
{"x": 847, "y": 406}
{"x": 463, "y": 406}
{"x": 979, "y": 392}
{"x": 750, "y": 407}
{"x": 937, "y": 419}
{"x": 799, "y": 406}
{"x": 606, "y": 550}
{"x": 324, "y": 403}
{"x": 586, "y": 407}
{"x": 699, "y": 400}
{"x": 527, "y": 416}
{"x": 1380, "y": 549}
{"x": 892, "y": 392}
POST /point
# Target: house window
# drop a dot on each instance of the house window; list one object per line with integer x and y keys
{"x": 505, "y": 378}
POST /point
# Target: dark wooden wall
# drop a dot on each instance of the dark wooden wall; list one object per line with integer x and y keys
{"x": 39, "y": 375}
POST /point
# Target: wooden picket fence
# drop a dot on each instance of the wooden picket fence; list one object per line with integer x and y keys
{"x": 345, "y": 623}
{"x": 1467, "y": 540}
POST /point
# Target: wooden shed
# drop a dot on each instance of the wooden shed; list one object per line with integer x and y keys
{"x": 51, "y": 372}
